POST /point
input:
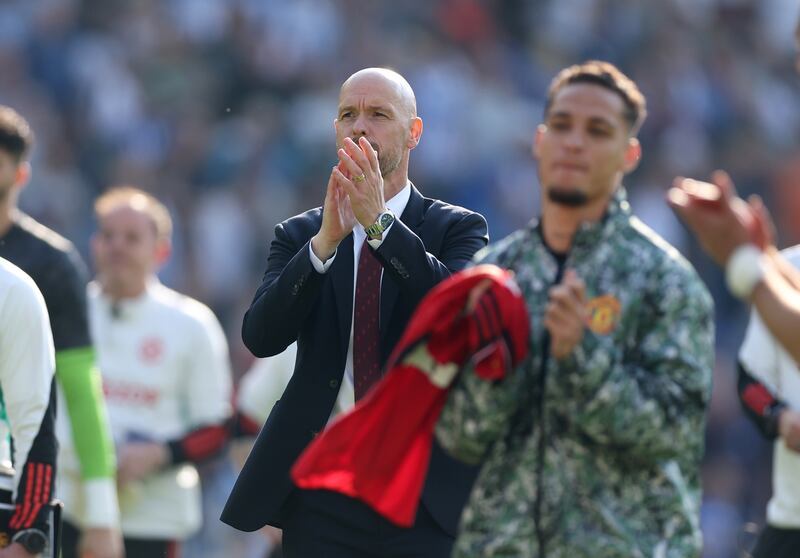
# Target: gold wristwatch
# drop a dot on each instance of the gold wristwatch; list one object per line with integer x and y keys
{"x": 384, "y": 221}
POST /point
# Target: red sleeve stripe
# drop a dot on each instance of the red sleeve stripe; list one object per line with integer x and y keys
{"x": 757, "y": 398}
{"x": 204, "y": 442}
{"x": 38, "y": 486}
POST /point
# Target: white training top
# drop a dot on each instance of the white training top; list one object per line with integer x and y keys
{"x": 27, "y": 364}
{"x": 767, "y": 361}
{"x": 164, "y": 361}
{"x": 264, "y": 383}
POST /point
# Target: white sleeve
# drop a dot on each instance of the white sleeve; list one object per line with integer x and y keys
{"x": 27, "y": 365}
{"x": 263, "y": 384}
{"x": 759, "y": 353}
{"x": 317, "y": 263}
{"x": 208, "y": 382}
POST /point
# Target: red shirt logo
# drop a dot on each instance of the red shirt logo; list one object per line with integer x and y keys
{"x": 151, "y": 350}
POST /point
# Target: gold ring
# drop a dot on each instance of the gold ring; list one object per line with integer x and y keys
{"x": 359, "y": 178}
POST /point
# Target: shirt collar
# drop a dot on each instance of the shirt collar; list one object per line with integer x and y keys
{"x": 399, "y": 201}
{"x": 127, "y": 307}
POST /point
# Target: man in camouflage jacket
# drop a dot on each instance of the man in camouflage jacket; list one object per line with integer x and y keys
{"x": 591, "y": 448}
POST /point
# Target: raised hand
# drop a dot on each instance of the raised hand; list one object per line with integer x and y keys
{"x": 337, "y": 218}
{"x": 565, "y": 314}
{"x": 719, "y": 219}
{"x": 139, "y": 459}
{"x": 359, "y": 174}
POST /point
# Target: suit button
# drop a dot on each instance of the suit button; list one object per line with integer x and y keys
{"x": 334, "y": 384}
{"x": 399, "y": 267}
{"x": 295, "y": 289}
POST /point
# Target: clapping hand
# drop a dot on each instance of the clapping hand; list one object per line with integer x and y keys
{"x": 359, "y": 175}
{"x": 565, "y": 314}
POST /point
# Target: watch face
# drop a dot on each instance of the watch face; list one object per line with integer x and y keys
{"x": 386, "y": 220}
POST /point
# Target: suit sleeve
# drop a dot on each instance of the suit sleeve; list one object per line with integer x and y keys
{"x": 285, "y": 298}
{"x": 415, "y": 269}
{"x": 758, "y": 378}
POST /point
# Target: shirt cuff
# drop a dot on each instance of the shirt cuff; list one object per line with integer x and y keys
{"x": 376, "y": 242}
{"x": 102, "y": 507}
{"x": 317, "y": 263}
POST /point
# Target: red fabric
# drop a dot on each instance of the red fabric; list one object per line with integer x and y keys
{"x": 246, "y": 425}
{"x": 366, "y": 316}
{"x": 204, "y": 442}
{"x": 38, "y": 486}
{"x": 379, "y": 451}
{"x": 757, "y": 398}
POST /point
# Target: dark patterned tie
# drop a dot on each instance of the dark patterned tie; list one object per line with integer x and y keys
{"x": 366, "y": 335}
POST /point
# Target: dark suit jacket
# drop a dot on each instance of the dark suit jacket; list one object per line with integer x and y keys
{"x": 430, "y": 241}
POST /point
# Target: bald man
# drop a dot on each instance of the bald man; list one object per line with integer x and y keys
{"x": 343, "y": 280}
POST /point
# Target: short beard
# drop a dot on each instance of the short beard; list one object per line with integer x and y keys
{"x": 388, "y": 165}
{"x": 567, "y": 197}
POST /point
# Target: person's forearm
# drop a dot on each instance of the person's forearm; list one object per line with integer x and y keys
{"x": 476, "y": 414}
{"x": 786, "y": 269}
{"x": 778, "y": 304}
{"x": 285, "y": 298}
{"x": 199, "y": 445}
{"x": 760, "y": 405}
{"x": 37, "y": 473}
{"x": 81, "y": 385}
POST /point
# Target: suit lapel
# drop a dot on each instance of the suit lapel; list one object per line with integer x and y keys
{"x": 412, "y": 217}
{"x": 342, "y": 277}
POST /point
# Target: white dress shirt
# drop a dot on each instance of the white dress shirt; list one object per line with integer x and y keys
{"x": 346, "y": 398}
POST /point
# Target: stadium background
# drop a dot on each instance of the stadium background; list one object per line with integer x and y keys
{"x": 224, "y": 108}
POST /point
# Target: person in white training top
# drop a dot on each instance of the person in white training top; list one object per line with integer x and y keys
{"x": 769, "y": 389}
{"x": 261, "y": 387}
{"x": 27, "y": 365}
{"x": 166, "y": 377}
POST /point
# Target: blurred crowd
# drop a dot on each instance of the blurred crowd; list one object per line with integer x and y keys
{"x": 224, "y": 110}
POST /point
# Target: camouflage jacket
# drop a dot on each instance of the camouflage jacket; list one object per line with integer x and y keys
{"x": 596, "y": 455}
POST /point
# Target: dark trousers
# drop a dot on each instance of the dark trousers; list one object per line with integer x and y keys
{"x": 322, "y": 524}
{"x": 134, "y": 548}
{"x": 778, "y": 543}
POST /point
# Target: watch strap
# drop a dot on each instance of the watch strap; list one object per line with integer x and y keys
{"x": 384, "y": 220}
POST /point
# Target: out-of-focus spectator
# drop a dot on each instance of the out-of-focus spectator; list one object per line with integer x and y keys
{"x": 166, "y": 375}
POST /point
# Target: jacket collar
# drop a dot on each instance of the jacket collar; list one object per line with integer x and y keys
{"x": 616, "y": 217}
{"x": 414, "y": 213}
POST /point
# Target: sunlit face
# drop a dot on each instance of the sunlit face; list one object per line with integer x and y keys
{"x": 125, "y": 247}
{"x": 583, "y": 147}
{"x": 372, "y": 106}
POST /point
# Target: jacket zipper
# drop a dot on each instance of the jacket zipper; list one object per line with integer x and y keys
{"x": 537, "y": 510}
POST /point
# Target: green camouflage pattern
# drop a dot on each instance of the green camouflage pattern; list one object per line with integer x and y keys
{"x": 603, "y": 446}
